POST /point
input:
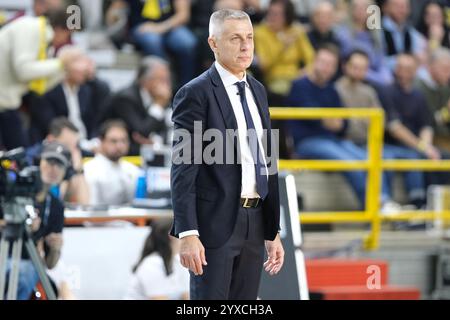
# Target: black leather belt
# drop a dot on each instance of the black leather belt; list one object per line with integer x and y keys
{"x": 250, "y": 202}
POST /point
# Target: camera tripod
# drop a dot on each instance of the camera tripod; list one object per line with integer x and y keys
{"x": 18, "y": 234}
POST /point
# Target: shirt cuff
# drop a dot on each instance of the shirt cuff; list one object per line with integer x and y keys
{"x": 188, "y": 233}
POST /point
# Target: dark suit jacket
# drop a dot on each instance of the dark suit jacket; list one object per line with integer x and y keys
{"x": 53, "y": 104}
{"x": 206, "y": 197}
{"x": 127, "y": 105}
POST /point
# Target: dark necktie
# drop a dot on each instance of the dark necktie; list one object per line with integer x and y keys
{"x": 261, "y": 179}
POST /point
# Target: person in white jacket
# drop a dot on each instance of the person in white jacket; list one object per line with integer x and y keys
{"x": 24, "y": 66}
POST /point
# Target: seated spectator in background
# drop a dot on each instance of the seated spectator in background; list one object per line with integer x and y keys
{"x": 432, "y": 26}
{"x": 160, "y": 26}
{"x": 111, "y": 180}
{"x": 414, "y": 128}
{"x": 354, "y": 93}
{"x": 48, "y": 225}
{"x": 159, "y": 275}
{"x": 354, "y": 34}
{"x": 323, "y": 139}
{"x": 74, "y": 188}
{"x": 322, "y": 24}
{"x": 413, "y": 125}
{"x": 24, "y": 66}
{"x": 399, "y": 36}
{"x": 282, "y": 49}
{"x": 435, "y": 87}
{"x": 143, "y": 105}
{"x": 72, "y": 99}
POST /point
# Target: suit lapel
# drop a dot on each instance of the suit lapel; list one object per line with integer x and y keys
{"x": 222, "y": 99}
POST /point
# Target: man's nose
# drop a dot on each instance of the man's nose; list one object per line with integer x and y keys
{"x": 245, "y": 45}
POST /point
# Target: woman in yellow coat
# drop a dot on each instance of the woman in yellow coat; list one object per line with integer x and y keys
{"x": 282, "y": 47}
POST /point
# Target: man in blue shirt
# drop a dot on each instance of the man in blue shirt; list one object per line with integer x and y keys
{"x": 399, "y": 35}
{"x": 323, "y": 139}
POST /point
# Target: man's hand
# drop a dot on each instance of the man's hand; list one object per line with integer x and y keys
{"x": 432, "y": 153}
{"x": 152, "y": 28}
{"x": 275, "y": 253}
{"x": 333, "y": 125}
{"x": 54, "y": 241}
{"x": 35, "y": 224}
{"x": 192, "y": 254}
{"x": 140, "y": 139}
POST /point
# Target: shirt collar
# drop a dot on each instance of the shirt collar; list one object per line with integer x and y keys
{"x": 391, "y": 25}
{"x": 70, "y": 90}
{"x": 227, "y": 77}
{"x": 104, "y": 159}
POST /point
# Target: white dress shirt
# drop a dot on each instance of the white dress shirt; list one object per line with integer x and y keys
{"x": 248, "y": 182}
{"x": 73, "y": 106}
{"x": 110, "y": 183}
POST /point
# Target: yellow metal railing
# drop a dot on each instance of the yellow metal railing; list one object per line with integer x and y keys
{"x": 374, "y": 165}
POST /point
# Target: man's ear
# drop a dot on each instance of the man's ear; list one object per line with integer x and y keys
{"x": 212, "y": 44}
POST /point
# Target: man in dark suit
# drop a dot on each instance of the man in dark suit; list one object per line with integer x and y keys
{"x": 142, "y": 106}
{"x": 225, "y": 211}
{"x": 72, "y": 99}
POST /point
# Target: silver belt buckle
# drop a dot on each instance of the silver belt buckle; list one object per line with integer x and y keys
{"x": 245, "y": 205}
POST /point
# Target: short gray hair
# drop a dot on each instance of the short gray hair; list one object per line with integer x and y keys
{"x": 147, "y": 66}
{"x": 439, "y": 55}
{"x": 219, "y": 17}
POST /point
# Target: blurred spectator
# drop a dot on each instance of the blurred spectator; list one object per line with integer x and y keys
{"x": 435, "y": 87}
{"x": 322, "y": 24}
{"x": 201, "y": 10}
{"x": 72, "y": 99}
{"x": 24, "y": 66}
{"x": 354, "y": 34}
{"x": 414, "y": 128}
{"x": 160, "y": 26}
{"x": 48, "y": 225}
{"x": 74, "y": 188}
{"x": 143, "y": 105}
{"x": 159, "y": 275}
{"x": 62, "y": 35}
{"x": 282, "y": 48}
{"x": 322, "y": 139}
{"x": 111, "y": 180}
{"x": 254, "y": 8}
{"x": 432, "y": 25}
{"x": 116, "y": 21}
{"x": 356, "y": 94}
{"x": 413, "y": 125}
{"x": 399, "y": 36}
